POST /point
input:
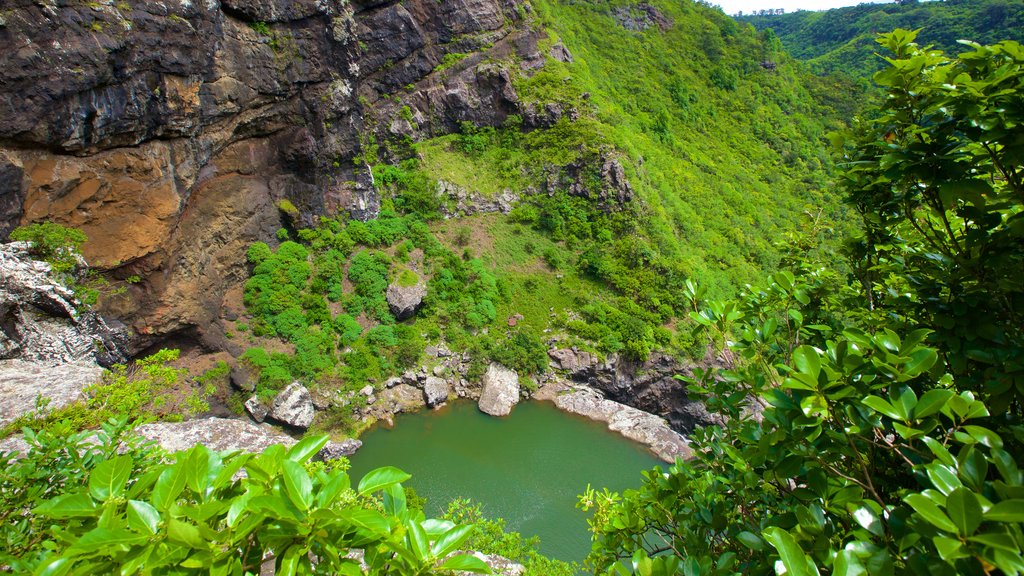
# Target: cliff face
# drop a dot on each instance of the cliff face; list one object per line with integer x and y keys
{"x": 171, "y": 132}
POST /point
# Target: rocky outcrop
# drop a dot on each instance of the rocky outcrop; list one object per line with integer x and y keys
{"x": 49, "y": 349}
{"x": 170, "y": 132}
{"x": 640, "y": 17}
{"x": 637, "y": 425}
{"x": 220, "y": 434}
{"x": 335, "y": 450}
{"x": 462, "y": 202}
{"x": 650, "y": 385}
{"x": 293, "y": 406}
{"x": 40, "y": 320}
{"x": 23, "y": 384}
{"x": 611, "y": 190}
{"x": 214, "y": 433}
{"x": 500, "y": 391}
{"x": 403, "y": 301}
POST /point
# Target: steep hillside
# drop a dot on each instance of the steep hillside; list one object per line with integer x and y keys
{"x": 843, "y": 39}
{"x": 576, "y": 222}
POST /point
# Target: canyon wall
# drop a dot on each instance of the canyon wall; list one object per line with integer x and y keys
{"x": 175, "y": 133}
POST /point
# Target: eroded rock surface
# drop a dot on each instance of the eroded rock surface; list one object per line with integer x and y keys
{"x": 637, "y": 425}
{"x": 49, "y": 349}
{"x": 650, "y": 385}
{"x": 22, "y": 383}
{"x": 500, "y": 391}
{"x": 214, "y": 433}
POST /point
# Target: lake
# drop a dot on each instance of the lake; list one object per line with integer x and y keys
{"x": 527, "y": 468}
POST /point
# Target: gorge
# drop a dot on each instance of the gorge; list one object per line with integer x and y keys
{"x": 255, "y": 232}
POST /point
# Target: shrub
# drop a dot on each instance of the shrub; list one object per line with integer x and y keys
{"x": 58, "y": 245}
{"x": 191, "y": 514}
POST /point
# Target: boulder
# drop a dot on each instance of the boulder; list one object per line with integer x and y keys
{"x": 402, "y": 398}
{"x": 293, "y": 406}
{"x": 335, "y": 450}
{"x": 256, "y": 408}
{"x": 500, "y": 391}
{"x": 435, "y": 391}
{"x": 405, "y": 300}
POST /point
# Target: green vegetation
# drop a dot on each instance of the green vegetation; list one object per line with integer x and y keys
{"x": 148, "y": 389}
{"x": 889, "y": 432}
{"x": 60, "y": 247}
{"x": 136, "y": 510}
{"x": 843, "y": 39}
{"x": 57, "y": 245}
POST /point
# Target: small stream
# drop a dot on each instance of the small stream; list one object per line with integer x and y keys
{"x": 527, "y": 468}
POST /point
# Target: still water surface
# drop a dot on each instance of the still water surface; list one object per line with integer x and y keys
{"x": 527, "y": 468}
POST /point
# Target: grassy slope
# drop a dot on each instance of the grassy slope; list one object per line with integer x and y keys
{"x": 725, "y": 154}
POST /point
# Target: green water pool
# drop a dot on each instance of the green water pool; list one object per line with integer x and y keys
{"x": 527, "y": 468}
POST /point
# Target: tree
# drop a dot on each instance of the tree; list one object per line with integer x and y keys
{"x": 938, "y": 179}
{"x": 856, "y": 441}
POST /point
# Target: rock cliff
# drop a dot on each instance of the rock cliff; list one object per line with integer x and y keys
{"x": 173, "y": 132}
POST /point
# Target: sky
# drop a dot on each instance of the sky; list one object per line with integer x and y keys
{"x": 734, "y": 6}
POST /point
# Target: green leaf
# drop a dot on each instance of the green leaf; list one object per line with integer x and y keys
{"x": 880, "y": 405}
{"x": 964, "y": 510}
{"x": 418, "y": 541}
{"x": 68, "y": 506}
{"x": 143, "y": 517}
{"x": 750, "y": 540}
{"x": 931, "y": 402}
{"x": 105, "y": 540}
{"x": 920, "y": 361}
{"x": 950, "y": 549}
{"x": 868, "y": 519}
{"x": 940, "y": 451}
{"x": 848, "y": 564}
{"x": 806, "y": 360}
{"x": 109, "y": 477}
{"x": 930, "y": 512}
{"x": 465, "y": 563}
{"x": 451, "y": 540}
{"x": 793, "y": 557}
{"x": 197, "y": 467}
{"x": 307, "y": 448}
{"x": 1001, "y": 541}
{"x": 984, "y": 436}
{"x": 168, "y": 487}
{"x": 57, "y": 567}
{"x": 943, "y": 478}
{"x": 187, "y": 534}
{"x": 395, "y": 500}
{"x": 381, "y": 477}
{"x": 1007, "y": 511}
{"x": 298, "y": 485}
{"x": 289, "y": 564}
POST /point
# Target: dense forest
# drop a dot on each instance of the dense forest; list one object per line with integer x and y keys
{"x": 696, "y": 190}
{"x": 843, "y": 39}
